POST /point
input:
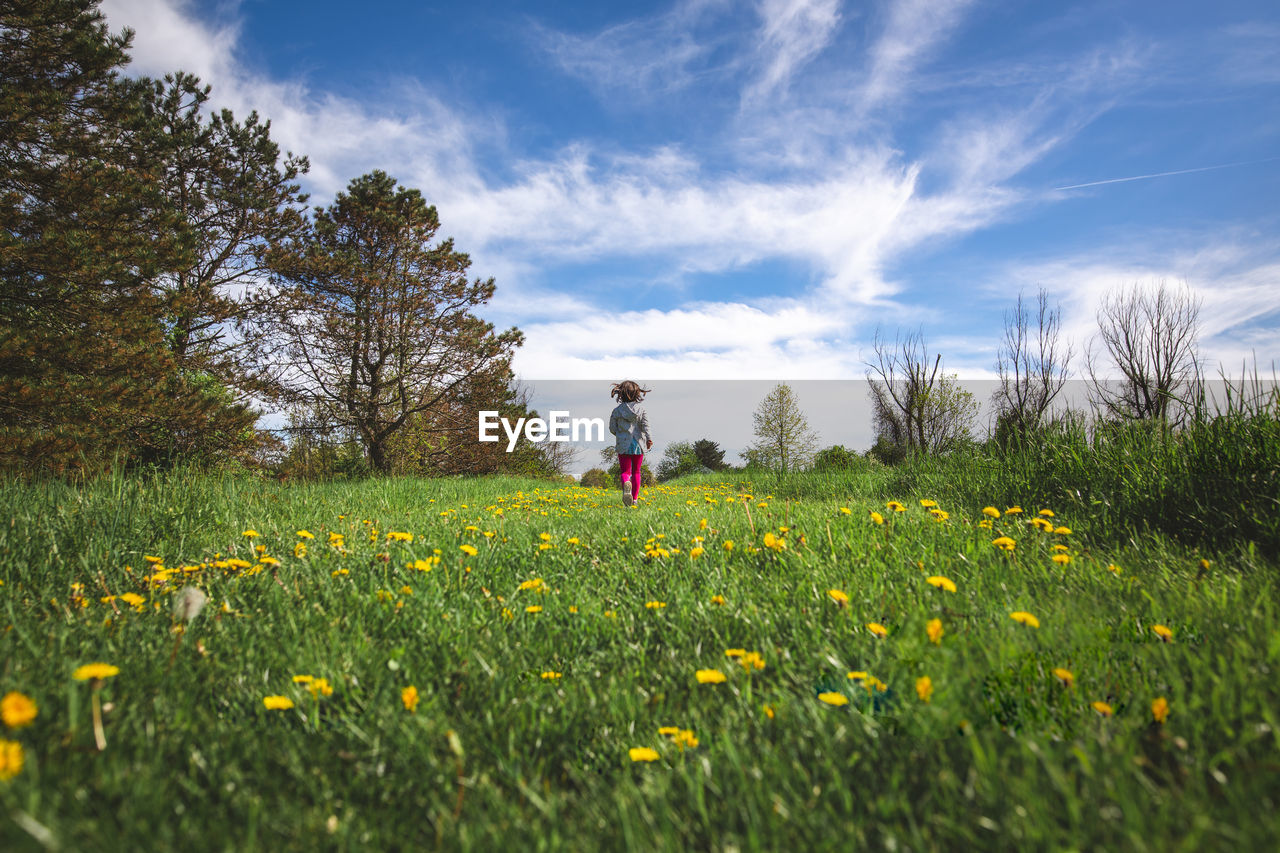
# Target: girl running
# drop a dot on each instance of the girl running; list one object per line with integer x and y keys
{"x": 630, "y": 425}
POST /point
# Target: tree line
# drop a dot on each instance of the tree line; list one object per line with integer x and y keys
{"x": 162, "y": 278}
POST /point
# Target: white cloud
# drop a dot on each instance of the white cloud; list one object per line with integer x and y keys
{"x": 792, "y": 33}
{"x": 913, "y": 29}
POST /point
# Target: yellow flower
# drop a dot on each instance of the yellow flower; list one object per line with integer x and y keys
{"x": 1025, "y": 618}
{"x": 728, "y": 545}
{"x": 320, "y": 687}
{"x": 1062, "y": 559}
{"x": 1061, "y": 548}
{"x": 1004, "y": 543}
{"x": 11, "y": 759}
{"x": 132, "y": 599}
{"x": 717, "y": 599}
{"x": 836, "y": 699}
{"x": 655, "y": 605}
{"x": 991, "y": 511}
{"x": 751, "y": 659}
{"x": 533, "y": 608}
{"x": 1165, "y": 635}
{"x": 877, "y": 518}
{"x": 838, "y": 596}
{"x": 643, "y": 753}
{"x": 95, "y": 671}
{"x": 17, "y": 710}
{"x": 398, "y": 536}
{"x": 574, "y": 540}
{"x": 858, "y": 675}
{"x": 924, "y": 688}
{"x": 774, "y": 542}
{"x": 1113, "y": 568}
{"x": 928, "y": 504}
{"x": 1160, "y": 709}
{"x": 1047, "y": 513}
{"x": 941, "y": 583}
{"x": 1062, "y": 531}
{"x": 551, "y": 675}
{"x": 877, "y": 629}
{"x": 409, "y": 696}
{"x": 934, "y": 629}
{"x": 895, "y": 506}
{"x": 1067, "y": 678}
{"x": 277, "y": 703}
{"x": 305, "y": 534}
{"x": 545, "y": 537}
{"x": 709, "y": 676}
{"x": 303, "y": 679}
{"x": 469, "y": 550}
{"x": 300, "y": 550}
{"x": 695, "y": 553}
{"x": 734, "y": 653}
{"x": 668, "y": 730}
{"x": 251, "y": 534}
{"x": 1103, "y": 709}
{"x": 684, "y": 738}
{"x": 573, "y": 608}
{"x": 768, "y": 711}
{"x": 1013, "y": 510}
{"x": 844, "y": 510}
{"x": 155, "y": 561}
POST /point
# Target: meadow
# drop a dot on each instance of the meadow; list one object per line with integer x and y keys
{"x": 824, "y": 663}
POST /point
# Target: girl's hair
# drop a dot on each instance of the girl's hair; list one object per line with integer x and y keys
{"x": 628, "y": 392}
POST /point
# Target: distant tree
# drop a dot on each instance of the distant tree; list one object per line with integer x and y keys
{"x": 678, "y": 459}
{"x": 784, "y": 441}
{"x": 1150, "y": 336}
{"x": 709, "y": 454}
{"x": 375, "y": 322}
{"x": 85, "y": 375}
{"x": 915, "y": 409}
{"x": 1032, "y": 364}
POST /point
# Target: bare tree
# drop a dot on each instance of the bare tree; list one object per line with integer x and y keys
{"x": 1032, "y": 364}
{"x": 1150, "y": 336}
{"x": 915, "y": 407}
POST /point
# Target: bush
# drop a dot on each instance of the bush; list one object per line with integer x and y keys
{"x": 835, "y": 457}
{"x": 596, "y": 478}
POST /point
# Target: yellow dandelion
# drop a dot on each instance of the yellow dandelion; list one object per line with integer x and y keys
{"x": 251, "y": 534}
{"x": 1062, "y": 531}
{"x": 303, "y": 679}
{"x": 1004, "y": 543}
{"x": 717, "y": 599}
{"x": 1067, "y": 678}
{"x": 1047, "y": 513}
{"x": 728, "y": 545}
{"x": 768, "y": 711}
{"x": 857, "y": 675}
{"x": 934, "y": 629}
{"x": 695, "y": 553}
{"x": 533, "y": 608}
{"x": 877, "y": 518}
{"x": 667, "y": 731}
{"x": 924, "y": 688}
{"x": 684, "y": 738}
{"x": 836, "y": 699}
{"x": 320, "y": 687}
{"x": 928, "y": 504}
{"x": 1062, "y": 559}
{"x": 469, "y": 550}
{"x": 1160, "y": 709}
{"x": 643, "y": 753}
{"x": 277, "y": 703}
{"x": 844, "y": 510}
{"x": 17, "y": 709}
{"x": 1103, "y": 709}
{"x": 409, "y": 697}
{"x": 1025, "y": 618}
{"x": 305, "y": 534}
{"x": 734, "y": 653}
{"x": 877, "y": 629}
{"x": 655, "y": 605}
{"x": 1165, "y": 635}
{"x": 95, "y": 671}
{"x": 751, "y": 660}
{"x": 551, "y": 675}
{"x": 941, "y": 583}
{"x": 709, "y": 676}
{"x": 12, "y": 757}
{"x": 991, "y": 511}
{"x": 838, "y": 596}
{"x": 895, "y": 506}
{"x": 1013, "y": 510}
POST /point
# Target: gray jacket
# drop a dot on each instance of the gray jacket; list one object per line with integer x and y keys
{"x": 631, "y": 426}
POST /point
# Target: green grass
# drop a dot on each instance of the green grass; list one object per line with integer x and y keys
{"x": 1003, "y": 754}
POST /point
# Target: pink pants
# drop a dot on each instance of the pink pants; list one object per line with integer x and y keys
{"x": 630, "y": 470}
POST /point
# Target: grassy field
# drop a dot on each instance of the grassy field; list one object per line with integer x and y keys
{"x": 877, "y": 692}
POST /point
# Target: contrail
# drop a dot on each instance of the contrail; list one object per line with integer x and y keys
{"x": 1166, "y": 174}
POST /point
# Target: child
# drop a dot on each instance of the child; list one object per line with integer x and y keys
{"x": 631, "y": 426}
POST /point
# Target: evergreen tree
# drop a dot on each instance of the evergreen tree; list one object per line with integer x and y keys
{"x": 375, "y": 322}
{"x": 84, "y": 230}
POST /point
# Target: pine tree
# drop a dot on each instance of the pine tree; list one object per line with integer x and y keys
{"x": 84, "y": 229}
{"x": 375, "y": 322}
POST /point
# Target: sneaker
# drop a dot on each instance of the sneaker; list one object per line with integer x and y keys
{"x": 627, "y": 500}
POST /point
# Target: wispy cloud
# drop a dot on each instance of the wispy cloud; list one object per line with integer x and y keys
{"x": 913, "y": 28}
{"x": 792, "y": 32}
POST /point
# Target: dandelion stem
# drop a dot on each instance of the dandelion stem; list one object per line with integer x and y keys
{"x": 99, "y": 736}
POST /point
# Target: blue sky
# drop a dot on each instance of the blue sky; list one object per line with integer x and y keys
{"x": 709, "y": 189}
